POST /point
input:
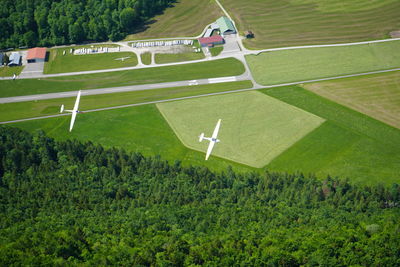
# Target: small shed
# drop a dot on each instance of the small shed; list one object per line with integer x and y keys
{"x": 211, "y": 41}
{"x": 226, "y": 26}
{"x": 1, "y": 59}
{"x": 37, "y": 54}
{"x": 15, "y": 59}
{"x": 249, "y": 34}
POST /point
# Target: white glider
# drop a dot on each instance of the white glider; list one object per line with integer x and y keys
{"x": 74, "y": 112}
{"x": 213, "y": 139}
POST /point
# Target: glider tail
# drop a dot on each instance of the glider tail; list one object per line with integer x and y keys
{"x": 201, "y": 137}
{"x": 62, "y": 109}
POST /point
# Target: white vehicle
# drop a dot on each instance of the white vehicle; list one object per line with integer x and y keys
{"x": 74, "y": 112}
{"x": 213, "y": 139}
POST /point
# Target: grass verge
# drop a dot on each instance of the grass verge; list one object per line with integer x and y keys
{"x": 146, "y": 58}
{"x": 9, "y": 71}
{"x": 179, "y": 57}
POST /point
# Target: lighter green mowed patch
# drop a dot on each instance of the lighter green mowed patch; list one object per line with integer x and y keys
{"x": 255, "y": 128}
{"x": 304, "y": 64}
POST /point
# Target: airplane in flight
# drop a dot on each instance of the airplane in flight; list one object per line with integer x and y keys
{"x": 74, "y": 112}
{"x": 213, "y": 139}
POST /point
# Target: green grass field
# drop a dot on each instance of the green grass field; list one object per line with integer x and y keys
{"x": 6, "y": 71}
{"x": 59, "y": 63}
{"x": 30, "y": 109}
{"x": 136, "y": 129}
{"x": 180, "y": 57}
{"x": 146, "y": 58}
{"x": 302, "y": 22}
{"x": 202, "y": 70}
{"x": 215, "y": 51}
{"x": 311, "y": 63}
{"x": 349, "y": 144}
{"x": 185, "y": 18}
{"x": 254, "y": 129}
{"x": 376, "y": 95}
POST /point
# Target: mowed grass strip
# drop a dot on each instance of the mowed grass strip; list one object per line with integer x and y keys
{"x": 135, "y": 129}
{"x": 312, "y": 63}
{"x": 202, "y": 70}
{"x": 146, "y": 58}
{"x": 6, "y": 71}
{"x": 30, "y": 109}
{"x": 59, "y": 63}
{"x": 163, "y": 58}
{"x": 377, "y": 95}
{"x": 304, "y": 22}
{"x": 254, "y": 129}
{"x": 185, "y": 18}
{"x": 349, "y": 144}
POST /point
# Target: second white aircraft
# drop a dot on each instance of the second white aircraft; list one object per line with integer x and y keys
{"x": 213, "y": 139}
{"x": 74, "y": 112}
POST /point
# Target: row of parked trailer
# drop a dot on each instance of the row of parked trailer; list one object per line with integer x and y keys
{"x": 162, "y": 43}
{"x": 95, "y": 50}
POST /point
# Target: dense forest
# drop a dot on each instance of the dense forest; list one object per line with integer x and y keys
{"x": 73, "y": 203}
{"x": 56, "y": 22}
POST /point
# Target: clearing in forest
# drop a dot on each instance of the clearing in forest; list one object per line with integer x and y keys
{"x": 255, "y": 128}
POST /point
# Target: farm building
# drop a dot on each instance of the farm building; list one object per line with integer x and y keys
{"x": 15, "y": 59}
{"x": 226, "y": 26}
{"x": 211, "y": 41}
{"x": 37, "y": 54}
{"x": 249, "y": 34}
{"x": 1, "y": 59}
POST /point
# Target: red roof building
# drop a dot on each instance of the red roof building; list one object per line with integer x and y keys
{"x": 37, "y": 54}
{"x": 211, "y": 41}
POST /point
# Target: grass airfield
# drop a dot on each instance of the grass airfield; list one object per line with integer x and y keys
{"x": 255, "y": 128}
{"x": 346, "y": 144}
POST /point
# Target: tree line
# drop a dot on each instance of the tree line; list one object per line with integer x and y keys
{"x": 56, "y": 22}
{"x": 74, "y": 203}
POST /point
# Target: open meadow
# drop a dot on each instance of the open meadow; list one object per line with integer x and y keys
{"x": 185, "y": 18}
{"x": 202, "y": 70}
{"x": 30, "y": 109}
{"x": 254, "y": 129}
{"x": 162, "y": 58}
{"x": 349, "y": 144}
{"x": 302, "y": 22}
{"x": 294, "y": 65}
{"x": 135, "y": 129}
{"x": 60, "y": 63}
{"x": 377, "y": 95}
